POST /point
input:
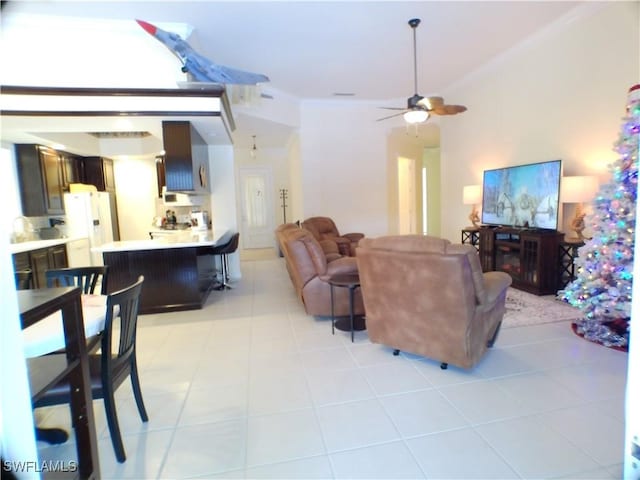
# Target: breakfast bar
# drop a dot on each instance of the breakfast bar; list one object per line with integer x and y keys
{"x": 179, "y": 270}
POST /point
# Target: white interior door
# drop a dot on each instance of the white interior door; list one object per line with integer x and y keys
{"x": 406, "y": 196}
{"x": 257, "y": 222}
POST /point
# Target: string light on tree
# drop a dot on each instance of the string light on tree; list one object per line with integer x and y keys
{"x": 602, "y": 288}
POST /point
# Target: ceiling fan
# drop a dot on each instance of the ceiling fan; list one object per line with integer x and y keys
{"x": 418, "y": 107}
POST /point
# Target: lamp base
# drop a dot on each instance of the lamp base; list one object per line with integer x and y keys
{"x": 474, "y": 216}
{"x": 574, "y": 240}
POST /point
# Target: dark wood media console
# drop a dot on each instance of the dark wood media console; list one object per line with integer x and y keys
{"x": 529, "y": 255}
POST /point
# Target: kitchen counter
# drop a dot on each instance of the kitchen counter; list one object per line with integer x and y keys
{"x": 177, "y": 239}
{"x": 179, "y": 269}
{"x": 38, "y": 244}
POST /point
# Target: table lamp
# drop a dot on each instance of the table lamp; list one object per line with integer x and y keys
{"x": 578, "y": 189}
{"x": 472, "y": 195}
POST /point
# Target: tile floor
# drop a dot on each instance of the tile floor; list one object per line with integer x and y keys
{"x": 252, "y": 387}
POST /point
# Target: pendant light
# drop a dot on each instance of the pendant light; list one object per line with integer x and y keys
{"x": 254, "y": 149}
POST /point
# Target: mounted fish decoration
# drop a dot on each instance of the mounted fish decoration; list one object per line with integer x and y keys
{"x": 201, "y": 68}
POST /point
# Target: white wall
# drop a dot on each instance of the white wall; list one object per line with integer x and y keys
{"x": 275, "y": 159}
{"x": 17, "y": 442}
{"x": 295, "y": 180}
{"x": 344, "y": 165}
{"x": 224, "y": 212}
{"x": 562, "y": 95}
{"x": 9, "y": 189}
{"x": 17, "y": 438}
{"x": 137, "y": 190}
{"x": 82, "y": 52}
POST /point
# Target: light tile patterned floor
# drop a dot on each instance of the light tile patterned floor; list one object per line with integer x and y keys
{"x": 252, "y": 387}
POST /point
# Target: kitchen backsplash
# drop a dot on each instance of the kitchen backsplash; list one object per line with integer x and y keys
{"x": 183, "y": 214}
{"x": 30, "y": 227}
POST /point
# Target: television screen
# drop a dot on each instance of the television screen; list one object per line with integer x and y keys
{"x": 522, "y": 195}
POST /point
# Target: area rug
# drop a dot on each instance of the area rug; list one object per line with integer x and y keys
{"x": 527, "y": 309}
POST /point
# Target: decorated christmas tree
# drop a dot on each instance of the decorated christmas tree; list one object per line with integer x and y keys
{"x": 602, "y": 288}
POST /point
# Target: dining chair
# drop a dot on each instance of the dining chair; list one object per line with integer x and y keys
{"x": 86, "y": 278}
{"x": 109, "y": 368}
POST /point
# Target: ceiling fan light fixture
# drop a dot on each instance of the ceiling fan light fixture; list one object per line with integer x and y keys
{"x": 416, "y": 116}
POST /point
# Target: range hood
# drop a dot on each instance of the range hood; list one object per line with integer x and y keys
{"x": 186, "y": 160}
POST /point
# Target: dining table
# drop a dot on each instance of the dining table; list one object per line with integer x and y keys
{"x": 47, "y": 335}
{"x": 54, "y": 319}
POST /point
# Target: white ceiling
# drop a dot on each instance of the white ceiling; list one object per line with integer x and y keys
{"x": 312, "y": 50}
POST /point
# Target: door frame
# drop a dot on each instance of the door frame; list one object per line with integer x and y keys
{"x": 406, "y": 195}
{"x": 267, "y": 172}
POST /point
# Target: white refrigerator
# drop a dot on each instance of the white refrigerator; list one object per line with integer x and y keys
{"x": 89, "y": 215}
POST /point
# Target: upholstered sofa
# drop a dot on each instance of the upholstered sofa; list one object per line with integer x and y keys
{"x": 310, "y": 266}
{"x": 429, "y": 297}
{"x": 324, "y": 228}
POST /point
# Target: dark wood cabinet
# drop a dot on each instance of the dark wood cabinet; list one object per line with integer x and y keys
{"x": 21, "y": 261}
{"x": 44, "y": 175}
{"x": 174, "y": 278}
{"x": 39, "y": 261}
{"x": 22, "y": 269}
{"x": 160, "y": 175}
{"x": 530, "y": 256}
{"x": 39, "y": 265}
{"x": 40, "y": 179}
{"x": 72, "y": 170}
{"x": 52, "y": 174}
{"x": 186, "y": 159}
{"x": 58, "y": 256}
{"x": 98, "y": 171}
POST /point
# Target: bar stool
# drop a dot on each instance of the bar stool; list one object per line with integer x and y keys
{"x": 224, "y": 250}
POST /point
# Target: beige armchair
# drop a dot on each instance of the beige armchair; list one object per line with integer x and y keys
{"x": 310, "y": 266}
{"x": 324, "y": 228}
{"x": 429, "y": 297}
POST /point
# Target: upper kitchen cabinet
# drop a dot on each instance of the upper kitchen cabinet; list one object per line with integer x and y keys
{"x": 72, "y": 170}
{"x": 98, "y": 171}
{"x": 160, "y": 175}
{"x": 41, "y": 180}
{"x": 186, "y": 159}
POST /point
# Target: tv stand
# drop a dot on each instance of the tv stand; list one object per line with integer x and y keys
{"x": 529, "y": 255}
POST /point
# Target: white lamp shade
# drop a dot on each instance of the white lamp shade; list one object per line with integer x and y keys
{"x": 472, "y": 194}
{"x": 416, "y": 116}
{"x": 578, "y": 189}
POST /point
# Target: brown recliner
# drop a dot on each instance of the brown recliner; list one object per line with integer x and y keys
{"x": 427, "y": 296}
{"x": 310, "y": 267}
{"x": 324, "y": 228}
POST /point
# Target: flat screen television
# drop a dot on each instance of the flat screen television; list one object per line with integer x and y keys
{"x": 522, "y": 195}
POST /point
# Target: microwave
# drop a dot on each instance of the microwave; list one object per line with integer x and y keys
{"x": 179, "y": 199}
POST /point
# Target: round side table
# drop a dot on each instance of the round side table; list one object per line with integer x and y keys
{"x": 350, "y": 281}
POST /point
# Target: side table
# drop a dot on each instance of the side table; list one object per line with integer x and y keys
{"x": 350, "y": 281}
{"x": 567, "y": 255}
{"x": 471, "y": 236}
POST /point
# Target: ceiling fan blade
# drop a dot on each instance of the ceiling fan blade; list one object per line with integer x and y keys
{"x": 392, "y": 108}
{"x": 449, "y": 109}
{"x": 431, "y": 102}
{"x": 391, "y": 116}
